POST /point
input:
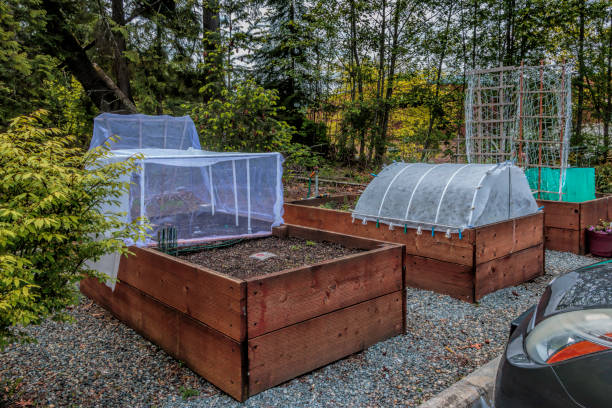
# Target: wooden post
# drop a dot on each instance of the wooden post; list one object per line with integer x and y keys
{"x": 540, "y": 129}
{"x": 562, "y": 118}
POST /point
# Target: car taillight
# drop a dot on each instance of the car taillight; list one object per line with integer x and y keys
{"x": 569, "y": 335}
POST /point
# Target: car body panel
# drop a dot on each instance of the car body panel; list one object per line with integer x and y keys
{"x": 584, "y": 379}
{"x": 579, "y": 382}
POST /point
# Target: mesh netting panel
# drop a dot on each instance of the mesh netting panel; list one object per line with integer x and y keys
{"x": 205, "y": 195}
{"x": 445, "y": 196}
{"x": 143, "y": 131}
{"x": 522, "y": 114}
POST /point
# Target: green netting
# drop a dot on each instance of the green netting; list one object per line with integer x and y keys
{"x": 579, "y": 183}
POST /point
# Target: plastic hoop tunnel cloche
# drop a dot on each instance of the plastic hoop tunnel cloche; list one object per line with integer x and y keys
{"x": 446, "y": 197}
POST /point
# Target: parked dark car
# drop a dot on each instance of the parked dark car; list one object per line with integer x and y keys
{"x": 560, "y": 351}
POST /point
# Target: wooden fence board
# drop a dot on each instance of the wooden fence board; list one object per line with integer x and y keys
{"x": 284, "y": 298}
{"x": 508, "y": 271}
{"x": 208, "y": 352}
{"x": 286, "y": 353}
{"x": 210, "y": 297}
{"x": 439, "y": 276}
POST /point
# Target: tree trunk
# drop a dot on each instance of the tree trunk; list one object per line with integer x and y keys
{"x": 381, "y": 78}
{"x": 358, "y": 77}
{"x": 475, "y": 17}
{"x": 580, "y": 106}
{"x": 509, "y": 46}
{"x": 62, "y": 44}
{"x": 381, "y": 142}
{"x": 432, "y": 114}
{"x": 211, "y": 38}
{"x": 608, "y": 109}
{"x": 120, "y": 62}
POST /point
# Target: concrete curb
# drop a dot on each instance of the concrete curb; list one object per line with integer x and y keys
{"x": 464, "y": 393}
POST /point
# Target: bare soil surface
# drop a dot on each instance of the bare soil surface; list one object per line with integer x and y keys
{"x": 298, "y": 190}
{"x": 346, "y": 205}
{"x": 290, "y": 253}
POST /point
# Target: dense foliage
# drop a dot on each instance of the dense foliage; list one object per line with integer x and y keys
{"x": 51, "y": 223}
{"x": 358, "y": 81}
{"x": 247, "y": 120}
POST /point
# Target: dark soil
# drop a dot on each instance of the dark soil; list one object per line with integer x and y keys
{"x": 290, "y": 253}
{"x": 345, "y": 205}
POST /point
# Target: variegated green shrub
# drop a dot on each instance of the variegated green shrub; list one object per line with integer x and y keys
{"x": 50, "y": 220}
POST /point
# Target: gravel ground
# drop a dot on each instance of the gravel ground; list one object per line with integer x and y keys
{"x": 290, "y": 252}
{"x": 97, "y": 361}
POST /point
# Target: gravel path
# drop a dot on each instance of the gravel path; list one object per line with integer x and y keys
{"x": 100, "y": 362}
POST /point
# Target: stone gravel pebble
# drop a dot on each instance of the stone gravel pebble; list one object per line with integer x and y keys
{"x": 97, "y": 361}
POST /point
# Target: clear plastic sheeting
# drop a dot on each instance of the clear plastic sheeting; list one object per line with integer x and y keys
{"x": 144, "y": 131}
{"x": 205, "y": 195}
{"x": 445, "y": 197}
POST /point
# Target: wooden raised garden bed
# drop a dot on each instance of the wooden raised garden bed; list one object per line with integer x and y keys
{"x": 485, "y": 259}
{"x": 565, "y": 223}
{"x": 247, "y": 335}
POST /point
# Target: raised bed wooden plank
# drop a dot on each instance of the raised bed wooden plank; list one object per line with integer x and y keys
{"x": 560, "y": 239}
{"x": 288, "y": 297}
{"x": 215, "y": 299}
{"x": 343, "y": 198}
{"x": 348, "y": 241}
{"x": 208, "y": 352}
{"x": 439, "y": 276}
{"x": 437, "y": 246}
{"x": 286, "y": 353}
{"x": 592, "y": 211}
{"x": 560, "y": 214}
{"x": 590, "y": 214}
{"x": 503, "y": 238}
{"x": 508, "y": 271}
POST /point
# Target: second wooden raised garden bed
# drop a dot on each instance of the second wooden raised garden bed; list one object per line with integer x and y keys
{"x": 247, "y": 335}
{"x": 565, "y": 223}
{"x": 484, "y": 260}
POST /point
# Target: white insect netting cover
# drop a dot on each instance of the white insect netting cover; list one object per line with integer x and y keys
{"x": 144, "y": 131}
{"x": 204, "y": 195}
{"x": 445, "y": 197}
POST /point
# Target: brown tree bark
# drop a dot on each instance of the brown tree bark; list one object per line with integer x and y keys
{"x": 211, "y": 37}
{"x": 61, "y": 43}
{"x": 580, "y": 107}
{"x": 121, "y": 70}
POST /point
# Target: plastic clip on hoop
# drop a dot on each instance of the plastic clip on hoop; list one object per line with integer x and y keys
{"x": 377, "y": 223}
{"x": 460, "y": 236}
{"x": 405, "y": 228}
{"x": 432, "y": 232}
{"x": 419, "y": 230}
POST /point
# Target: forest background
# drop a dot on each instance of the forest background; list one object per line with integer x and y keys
{"x": 339, "y": 84}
